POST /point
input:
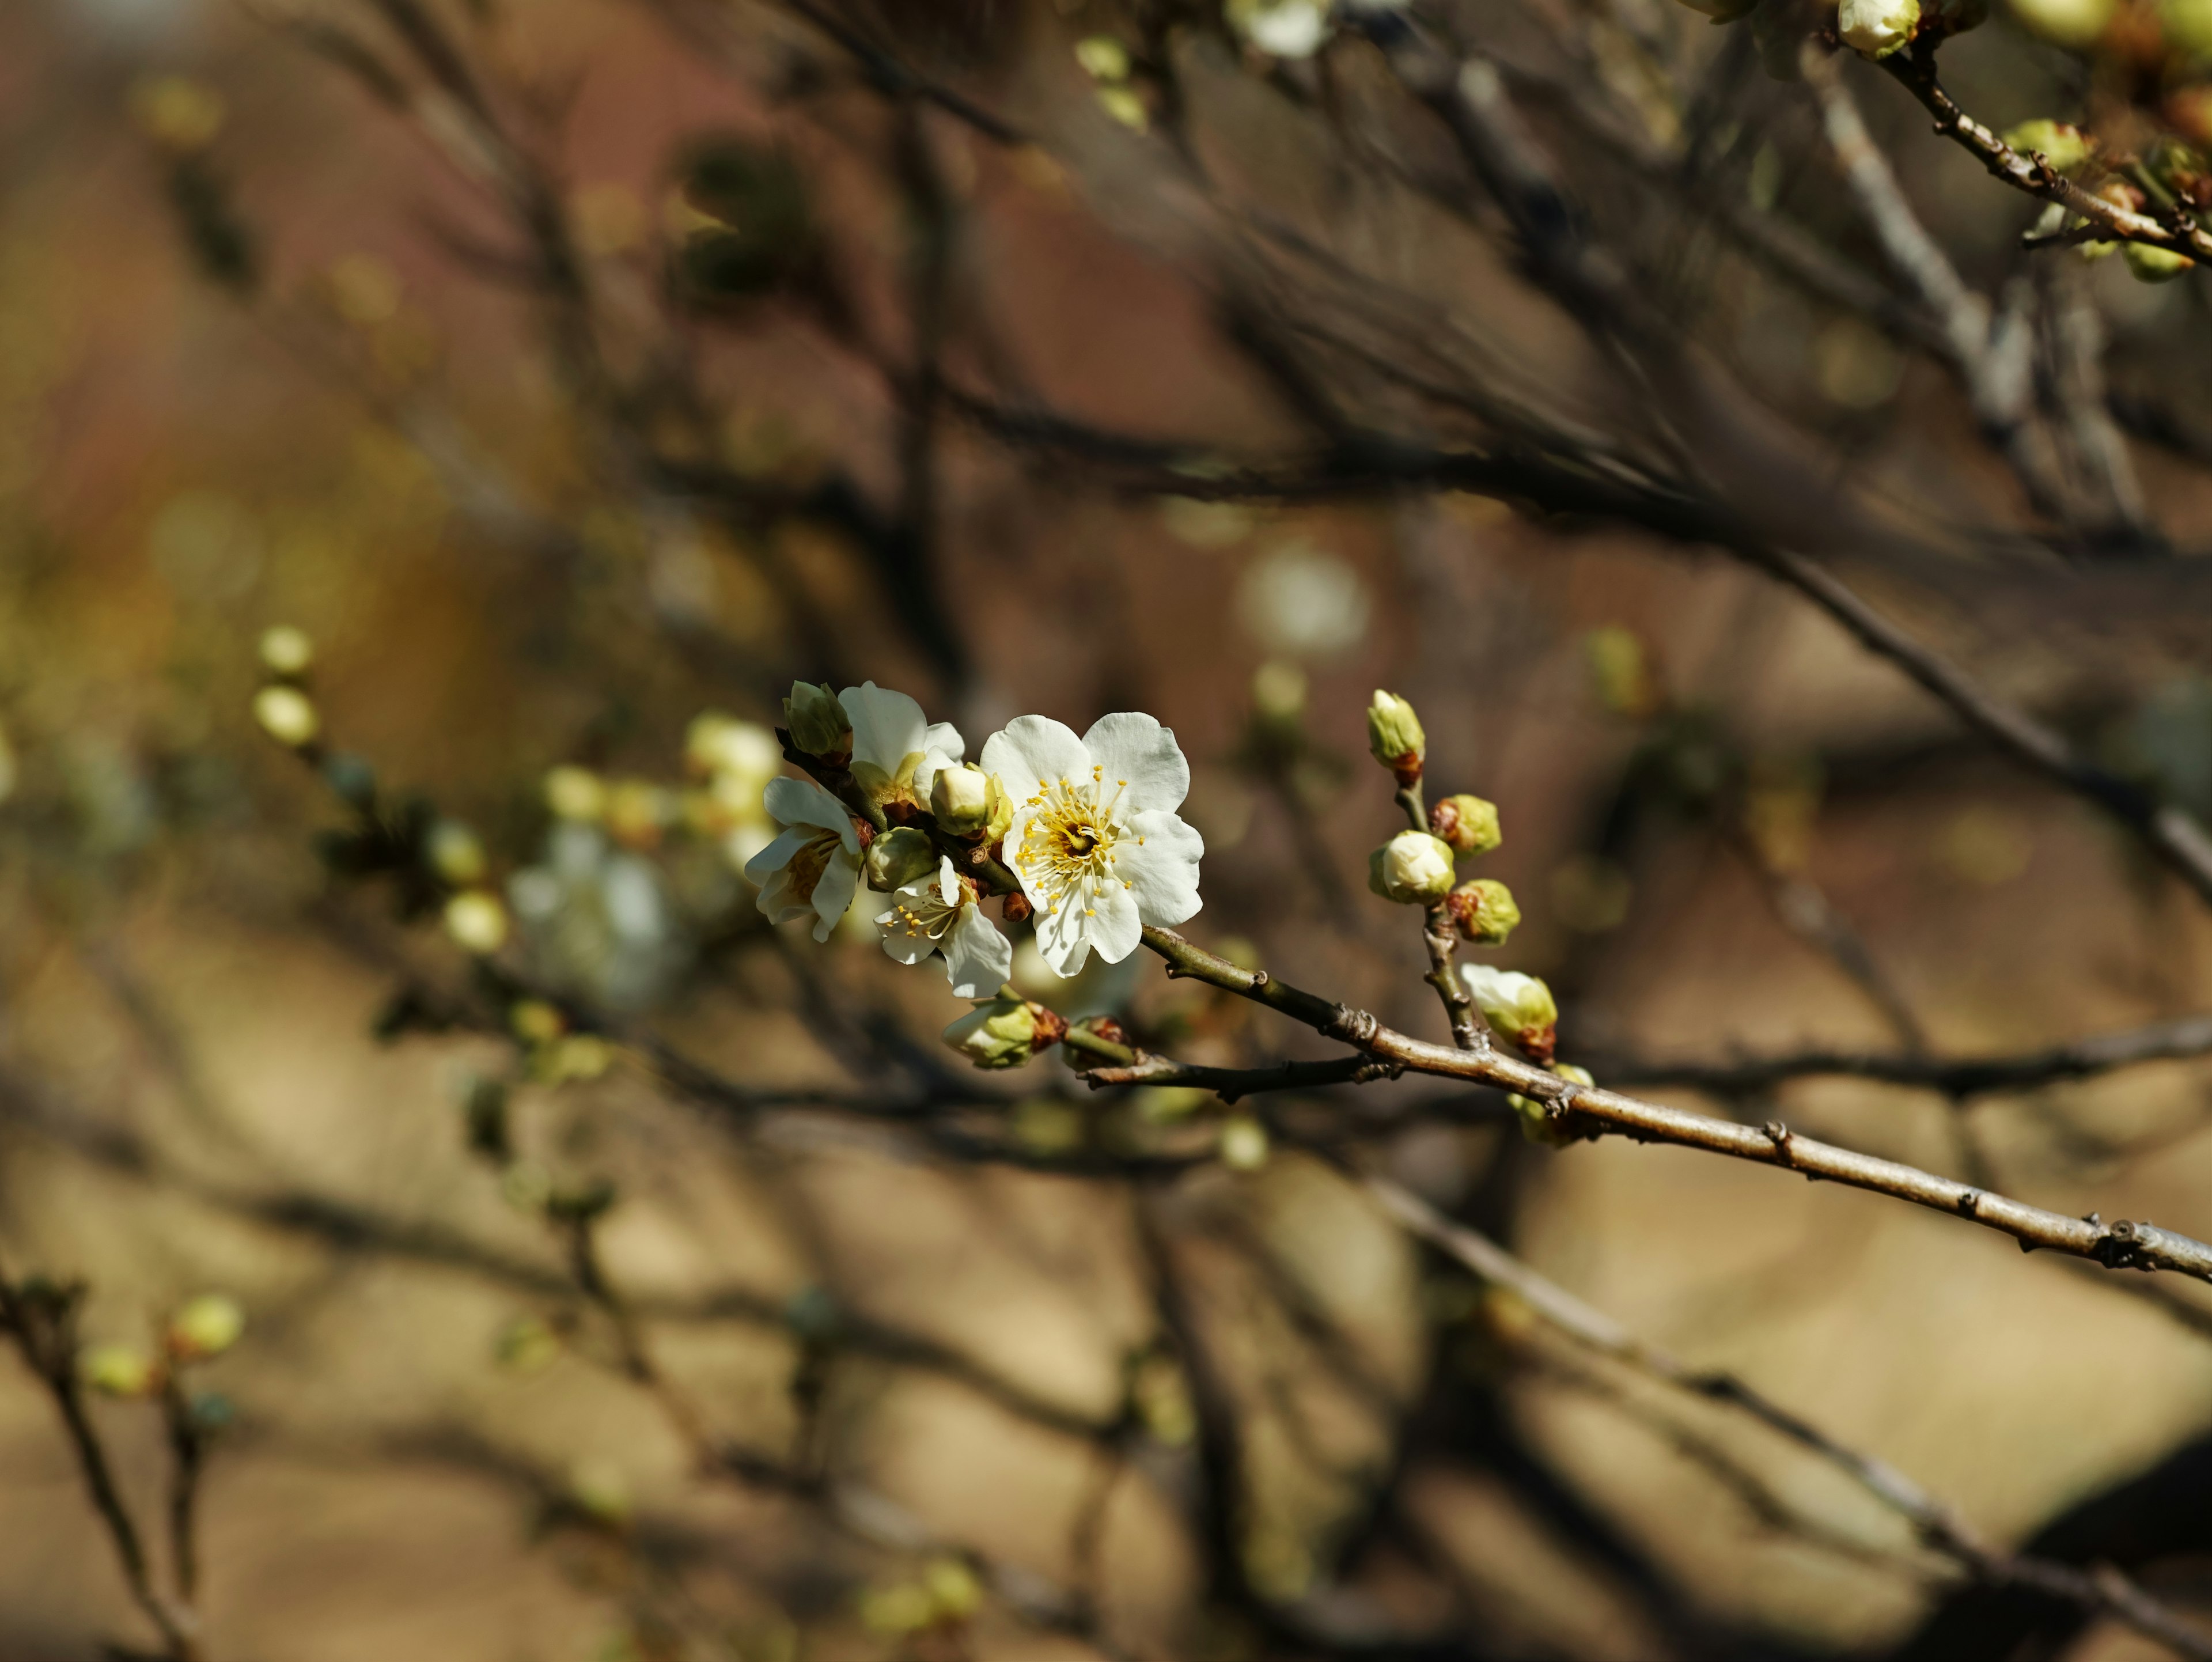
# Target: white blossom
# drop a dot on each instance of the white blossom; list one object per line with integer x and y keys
{"x": 897, "y": 750}
{"x": 814, "y": 865}
{"x": 940, "y": 913}
{"x": 1095, "y": 838}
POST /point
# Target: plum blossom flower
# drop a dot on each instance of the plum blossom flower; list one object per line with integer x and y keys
{"x": 897, "y": 750}
{"x": 939, "y": 913}
{"x": 1095, "y": 838}
{"x": 814, "y": 865}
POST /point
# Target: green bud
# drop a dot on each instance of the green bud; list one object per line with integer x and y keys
{"x": 817, "y": 723}
{"x": 1877, "y": 28}
{"x": 1537, "y": 1123}
{"x": 899, "y": 857}
{"x": 2061, "y": 143}
{"x": 960, "y": 796}
{"x": 2148, "y": 264}
{"x": 1517, "y": 1006}
{"x": 117, "y": 1370}
{"x": 2064, "y": 22}
{"x": 206, "y": 1327}
{"x": 1006, "y": 1031}
{"x": 1467, "y": 823}
{"x": 1394, "y": 736}
{"x": 1412, "y": 868}
{"x": 1485, "y": 911}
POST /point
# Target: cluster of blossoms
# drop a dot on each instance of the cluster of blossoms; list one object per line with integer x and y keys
{"x": 1077, "y": 835}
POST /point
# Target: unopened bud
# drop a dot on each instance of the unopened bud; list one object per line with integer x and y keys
{"x": 1539, "y": 1124}
{"x": 288, "y": 715}
{"x": 1877, "y": 28}
{"x": 574, "y": 793}
{"x": 1518, "y": 1007}
{"x": 1412, "y": 868}
{"x": 2150, "y": 264}
{"x": 817, "y": 723}
{"x": 1243, "y": 1143}
{"x": 287, "y": 651}
{"x": 898, "y": 857}
{"x": 1467, "y": 823}
{"x": 1004, "y": 1031}
{"x": 1394, "y": 736}
{"x": 2064, "y": 22}
{"x": 2062, "y": 144}
{"x": 206, "y": 1327}
{"x": 960, "y": 797}
{"x": 476, "y": 922}
{"x": 456, "y": 854}
{"x": 117, "y": 1370}
{"x": 1484, "y": 911}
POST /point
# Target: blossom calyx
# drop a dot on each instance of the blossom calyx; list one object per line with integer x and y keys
{"x": 1517, "y": 1006}
{"x": 1877, "y": 28}
{"x": 1394, "y": 736}
{"x": 900, "y": 856}
{"x": 1412, "y": 868}
{"x": 967, "y": 800}
{"x": 817, "y": 723}
{"x": 1004, "y": 1031}
{"x": 1484, "y": 911}
{"x": 1102, "y": 1028}
{"x": 1469, "y": 822}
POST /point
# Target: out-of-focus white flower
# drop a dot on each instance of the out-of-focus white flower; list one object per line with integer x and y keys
{"x": 476, "y": 922}
{"x": 1281, "y": 28}
{"x": 1877, "y": 28}
{"x": 288, "y": 715}
{"x": 897, "y": 750}
{"x": 286, "y": 650}
{"x": 1299, "y": 602}
{"x": 814, "y": 865}
{"x": 1095, "y": 838}
{"x": 595, "y": 918}
{"x": 576, "y": 793}
{"x": 716, "y": 746}
{"x": 941, "y": 914}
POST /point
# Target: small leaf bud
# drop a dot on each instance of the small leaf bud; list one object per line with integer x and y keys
{"x": 1877, "y": 28}
{"x": 900, "y": 856}
{"x": 1243, "y": 1143}
{"x": 574, "y": 793}
{"x": 287, "y": 651}
{"x": 1518, "y": 1007}
{"x": 1467, "y": 823}
{"x": 960, "y": 797}
{"x": 1412, "y": 868}
{"x": 2064, "y": 145}
{"x": 117, "y": 1370}
{"x": 817, "y": 723}
{"x": 2150, "y": 264}
{"x": 1538, "y": 1124}
{"x": 1394, "y": 736}
{"x": 476, "y": 922}
{"x": 206, "y": 1327}
{"x": 1004, "y": 1031}
{"x": 1484, "y": 911}
{"x": 288, "y": 715}
{"x": 455, "y": 853}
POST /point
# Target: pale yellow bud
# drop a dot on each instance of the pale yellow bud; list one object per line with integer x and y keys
{"x": 117, "y": 1370}
{"x": 205, "y": 1327}
{"x": 1877, "y": 28}
{"x": 1469, "y": 824}
{"x": 476, "y": 922}
{"x": 1243, "y": 1143}
{"x": 1412, "y": 868}
{"x": 2148, "y": 264}
{"x": 960, "y": 797}
{"x": 1518, "y": 1007}
{"x": 455, "y": 853}
{"x": 288, "y": 715}
{"x": 287, "y": 651}
{"x": 1394, "y": 737}
{"x": 817, "y": 723}
{"x": 574, "y": 793}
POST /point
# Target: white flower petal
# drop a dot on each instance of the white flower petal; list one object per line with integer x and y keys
{"x": 888, "y": 726}
{"x": 977, "y": 957}
{"x": 1032, "y": 752}
{"x": 777, "y": 856}
{"x": 1162, "y": 869}
{"x": 1131, "y": 745}
{"x": 803, "y": 802}
{"x": 833, "y": 895}
{"x": 1114, "y": 926}
{"x": 1063, "y": 939}
{"x": 948, "y": 884}
{"x": 907, "y": 945}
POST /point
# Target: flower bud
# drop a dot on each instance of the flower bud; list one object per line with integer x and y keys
{"x": 1006, "y": 1031}
{"x": 898, "y": 857}
{"x": 1516, "y": 1006}
{"x": 1467, "y": 823}
{"x": 1538, "y": 1124}
{"x": 960, "y": 797}
{"x": 288, "y": 715}
{"x": 455, "y": 853}
{"x": 1394, "y": 736}
{"x": 206, "y": 1327}
{"x": 2150, "y": 264}
{"x": 476, "y": 922}
{"x": 2064, "y": 145}
{"x": 574, "y": 793}
{"x": 1412, "y": 868}
{"x": 1877, "y": 28}
{"x": 817, "y": 723}
{"x": 1484, "y": 911}
{"x": 1243, "y": 1143}
{"x": 286, "y": 651}
{"x": 2064, "y": 22}
{"x": 117, "y": 1370}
